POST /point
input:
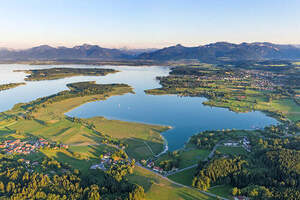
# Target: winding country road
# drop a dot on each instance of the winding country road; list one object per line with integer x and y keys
{"x": 165, "y": 177}
{"x": 181, "y": 185}
{"x": 183, "y": 169}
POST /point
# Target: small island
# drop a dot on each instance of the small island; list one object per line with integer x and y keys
{"x": 58, "y": 73}
{"x": 10, "y": 86}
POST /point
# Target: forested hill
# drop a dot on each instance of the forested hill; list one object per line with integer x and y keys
{"x": 223, "y": 51}
{"x": 220, "y": 51}
{"x": 45, "y": 52}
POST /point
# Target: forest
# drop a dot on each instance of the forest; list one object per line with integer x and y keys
{"x": 270, "y": 171}
{"x": 23, "y": 180}
{"x": 58, "y": 73}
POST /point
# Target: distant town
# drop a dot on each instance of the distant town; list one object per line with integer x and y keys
{"x": 27, "y": 147}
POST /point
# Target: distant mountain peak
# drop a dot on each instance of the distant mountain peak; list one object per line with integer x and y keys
{"x": 86, "y": 46}
{"x": 220, "y": 51}
{"x": 178, "y": 45}
{"x": 46, "y": 52}
{"x": 43, "y": 47}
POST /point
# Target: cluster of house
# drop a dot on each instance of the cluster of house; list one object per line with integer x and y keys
{"x": 151, "y": 165}
{"x": 26, "y": 147}
{"x": 262, "y": 79}
{"x": 107, "y": 161}
{"x": 263, "y": 84}
{"x": 245, "y": 143}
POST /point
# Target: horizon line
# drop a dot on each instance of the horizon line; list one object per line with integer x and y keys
{"x": 133, "y": 48}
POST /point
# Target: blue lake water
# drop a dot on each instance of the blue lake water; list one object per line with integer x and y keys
{"x": 187, "y": 115}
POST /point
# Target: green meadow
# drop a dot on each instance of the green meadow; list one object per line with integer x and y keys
{"x": 157, "y": 187}
{"x": 185, "y": 177}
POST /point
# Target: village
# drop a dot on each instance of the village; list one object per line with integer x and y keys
{"x": 256, "y": 79}
{"x": 27, "y": 147}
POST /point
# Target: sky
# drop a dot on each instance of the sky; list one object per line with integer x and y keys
{"x": 147, "y": 23}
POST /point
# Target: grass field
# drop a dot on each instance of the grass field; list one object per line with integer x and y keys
{"x": 222, "y": 190}
{"x": 79, "y": 157}
{"x": 67, "y": 157}
{"x": 89, "y": 151}
{"x": 158, "y": 188}
{"x": 235, "y": 151}
{"x": 185, "y": 177}
{"x": 286, "y": 106}
{"x": 133, "y": 134}
{"x": 186, "y": 157}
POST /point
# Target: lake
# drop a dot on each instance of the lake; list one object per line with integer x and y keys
{"x": 186, "y": 115}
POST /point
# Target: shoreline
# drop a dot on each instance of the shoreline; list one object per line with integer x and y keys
{"x": 166, "y": 147}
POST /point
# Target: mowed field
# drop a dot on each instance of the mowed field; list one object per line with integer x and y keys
{"x": 143, "y": 140}
{"x": 157, "y": 187}
{"x": 186, "y": 157}
{"x": 286, "y": 106}
{"x": 223, "y": 190}
{"x": 233, "y": 151}
{"x": 185, "y": 177}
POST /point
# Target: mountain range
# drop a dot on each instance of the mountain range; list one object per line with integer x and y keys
{"x": 207, "y": 53}
{"x": 45, "y": 52}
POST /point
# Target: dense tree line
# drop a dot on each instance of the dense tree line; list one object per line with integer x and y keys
{"x": 217, "y": 171}
{"x": 121, "y": 169}
{"x": 172, "y": 161}
{"x": 56, "y": 73}
{"x": 270, "y": 171}
{"x": 18, "y": 182}
{"x": 207, "y": 139}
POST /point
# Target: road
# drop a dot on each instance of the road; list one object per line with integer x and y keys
{"x": 211, "y": 154}
{"x": 180, "y": 185}
{"x": 183, "y": 169}
{"x": 164, "y": 177}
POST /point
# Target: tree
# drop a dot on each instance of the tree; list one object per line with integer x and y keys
{"x": 137, "y": 193}
{"x": 94, "y": 193}
{"x": 76, "y": 171}
{"x": 10, "y": 187}
{"x": 236, "y": 191}
{"x": 2, "y": 189}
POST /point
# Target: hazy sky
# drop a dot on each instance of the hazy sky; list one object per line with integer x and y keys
{"x": 147, "y": 23}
